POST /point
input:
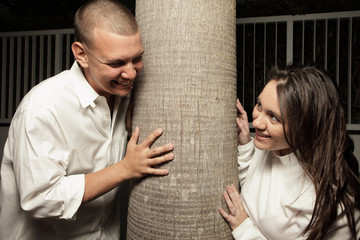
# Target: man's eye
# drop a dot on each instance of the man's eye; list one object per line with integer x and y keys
{"x": 138, "y": 59}
{"x": 117, "y": 64}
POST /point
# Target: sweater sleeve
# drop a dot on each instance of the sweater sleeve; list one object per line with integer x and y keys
{"x": 245, "y": 154}
{"x": 247, "y": 231}
{"x": 340, "y": 229}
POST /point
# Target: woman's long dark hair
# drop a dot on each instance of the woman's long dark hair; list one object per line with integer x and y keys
{"x": 316, "y": 131}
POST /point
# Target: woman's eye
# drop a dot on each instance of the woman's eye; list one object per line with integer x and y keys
{"x": 259, "y": 105}
{"x": 273, "y": 118}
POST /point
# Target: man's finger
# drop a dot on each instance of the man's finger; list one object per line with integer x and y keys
{"x": 135, "y": 136}
{"x": 152, "y": 137}
{"x": 157, "y": 171}
{"x": 163, "y": 159}
{"x": 160, "y": 150}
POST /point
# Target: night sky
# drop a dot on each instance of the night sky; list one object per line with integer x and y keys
{"x": 23, "y": 15}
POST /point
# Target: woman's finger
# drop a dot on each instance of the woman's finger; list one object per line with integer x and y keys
{"x": 224, "y": 214}
{"x": 242, "y": 113}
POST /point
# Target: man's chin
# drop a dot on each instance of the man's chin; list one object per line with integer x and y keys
{"x": 123, "y": 92}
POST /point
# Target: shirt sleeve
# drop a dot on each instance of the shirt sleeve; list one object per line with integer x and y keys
{"x": 40, "y": 159}
{"x": 245, "y": 154}
{"x": 247, "y": 231}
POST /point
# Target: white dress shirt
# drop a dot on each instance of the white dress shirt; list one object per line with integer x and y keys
{"x": 278, "y": 197}
{"x": 61, "y": 130}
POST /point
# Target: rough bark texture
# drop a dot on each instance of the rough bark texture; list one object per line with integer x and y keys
{"x": 187, "y": 87}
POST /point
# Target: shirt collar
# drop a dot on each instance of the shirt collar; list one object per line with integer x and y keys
{"x": 87, "y": 95}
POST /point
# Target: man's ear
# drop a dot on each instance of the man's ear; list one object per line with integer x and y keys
{"x": 80, "y": 54}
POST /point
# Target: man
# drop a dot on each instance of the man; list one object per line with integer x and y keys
{"x": 61, "y": 162}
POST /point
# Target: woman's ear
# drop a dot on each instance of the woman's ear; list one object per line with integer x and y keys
{"x": 80, "y": 54}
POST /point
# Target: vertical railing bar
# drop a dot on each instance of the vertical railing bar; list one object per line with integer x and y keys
{"x": 289, "y": 41}
{"x": 337, "y": 51}
{"x": 49, "y": 55}
{"x": 58, "y": 53}
{"x": 326, "y": 44}
{"x": 265, "y": 37}
{"x": 314, "y": 42}
{"x": 68, "y": 51}
{"x": 3, "y": 77}
{"x": 303, "y": 42}
{"x": 41, "y": 59}
{"x": 244, "y": 64}
{"x": 33, "y": 61}
{"x": 26, "y": 65}
{"x": 11, "y": 77}
{"x": 349, "y": 85}
{"x": 276, "y": 37}
{"x": 18, "y": 73}
{"x": 254, "y": 63}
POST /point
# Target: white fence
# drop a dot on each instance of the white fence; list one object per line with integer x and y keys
{"x": 330, "y": 40}
{"x": 28, "y": 58}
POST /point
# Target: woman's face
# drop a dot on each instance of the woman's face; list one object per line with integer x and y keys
{"x": 267, "y": 122}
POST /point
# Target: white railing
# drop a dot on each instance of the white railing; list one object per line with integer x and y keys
{"x": 323, "y": 39}
{"x": 327, "y": 39}
{"x": 28, "y": 58}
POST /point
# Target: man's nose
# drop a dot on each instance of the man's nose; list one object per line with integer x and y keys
{"x": 129, "y": 71}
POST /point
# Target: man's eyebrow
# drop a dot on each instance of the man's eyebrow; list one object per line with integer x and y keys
{"x": 123, "y": 60}
{"x": 139, "y": 55}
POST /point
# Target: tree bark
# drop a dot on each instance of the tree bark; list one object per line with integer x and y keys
{"x": 188, "y": 88}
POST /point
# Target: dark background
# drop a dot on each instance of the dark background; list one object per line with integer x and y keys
{"x": 23, "y": 15}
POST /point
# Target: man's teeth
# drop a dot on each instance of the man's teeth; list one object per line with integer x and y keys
{"x": 123, "y": 83}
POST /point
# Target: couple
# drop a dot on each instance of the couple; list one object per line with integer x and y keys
{"x": 59, "y": 164}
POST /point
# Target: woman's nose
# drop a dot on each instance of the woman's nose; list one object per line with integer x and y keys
{"x": 258, "y": 120}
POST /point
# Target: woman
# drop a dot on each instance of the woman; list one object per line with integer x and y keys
{"x": 299, "y": 178}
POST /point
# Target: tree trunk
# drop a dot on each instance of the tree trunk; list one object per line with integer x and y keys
{"x": 188, "y": 88}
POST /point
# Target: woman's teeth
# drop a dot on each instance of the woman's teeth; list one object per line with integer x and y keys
{"x": 262, "y": 135}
